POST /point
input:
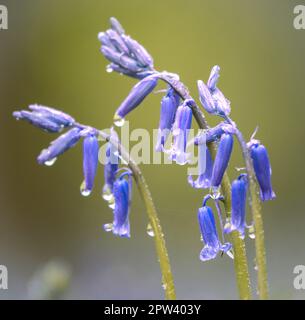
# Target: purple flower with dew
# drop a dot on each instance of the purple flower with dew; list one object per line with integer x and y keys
{"x": 169, "y": 105}
{"x": 110, "y": 170}
{"x": 90, "y": 162}
{"x": 122, "y": 196}
{"x": 262, "y": 168}
{"x": 205, "y": 167}
{"x": 209, "y": 234}
{"x": 138, "y": 93}
{"x": 181, "y": 128}
{"x": 139, "y": 75}
{"x": 59, "y": 146}
{"x": 213, "y": 79}
{"x": 128, "y": 57}
{"x": 222, "y": 159}
{"x": 52, "y": 114}
{"x": 239, "y": 198}
{"x": 38, "y": 120}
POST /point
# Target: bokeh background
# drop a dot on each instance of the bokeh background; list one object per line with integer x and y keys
{"x": 50, "y": 55}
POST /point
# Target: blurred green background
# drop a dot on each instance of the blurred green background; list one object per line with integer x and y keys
{"x": 50, "y": 55}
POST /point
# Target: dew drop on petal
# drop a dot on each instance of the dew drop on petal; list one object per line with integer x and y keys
{"x": 111, "y": 205}
{"x": 107, "y": 195}
{"x": 50, "y": 162}
{"x": 83, "y": 190}
{"x": 150, "y": 230}
{"x": 230, "y": 254}
{"x": 118, "y": 120}
{"x": 108, "y": 227}
{"x": 251, "y": 232}
{"x": 164, "y": 286}
{"x": 227, "y": 224}
{"x": 109, "y": 69}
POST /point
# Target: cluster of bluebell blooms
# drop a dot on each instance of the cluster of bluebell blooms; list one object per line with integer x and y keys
{"x": 117, "y": 188}
{"x": 128, "y": 57}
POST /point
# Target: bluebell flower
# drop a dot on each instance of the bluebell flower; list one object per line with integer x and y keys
{"x": 211, "y": 98}
{"x": 213, "y": 79}
{"x": 38, "y": 120}
{"x": 116, "y": 26}
{"x": 138, "y": 75}
{"x": 205, "y": 167}
{"x": 127, "y": 55}
{"x": 222, "y": 104}
{"x": 118, "y": 42}
{"x": 239, "y": 198}
{"x": 181, "y": 127}
{"x": 138, "y": 93}
{"x": 90, "y": 162}
{"x": 210, "y": 235}
{"x": 206, "y": 98}
{"x": 262, "y": 169}
{"x": 110, "y": 171}
{"x": 222, "y": 159}
{"x": 139, "y": 52}
{"x": 119, "y": 59}
{"x": 169, "y": 105}
{"x": 53, "y": 115}
{"x": 59, "y": 146}
{"x": 122, "y": 197}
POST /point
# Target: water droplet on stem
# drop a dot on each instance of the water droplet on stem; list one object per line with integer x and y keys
{"x": 150, "y": 230}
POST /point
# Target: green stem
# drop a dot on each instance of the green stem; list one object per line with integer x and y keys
{"x": 167, "y": 277}
{"x": 255, "y": 204}
{"x": 240, "y": 257}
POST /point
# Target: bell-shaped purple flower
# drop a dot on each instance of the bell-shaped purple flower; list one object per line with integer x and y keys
{"x": 139, "y": 52}
{"x": 116, "y": 26}
{"x": 110, "y": 171}
{"x": 169, "y": 105}
{"x": 262, "y": 169}
{"x": 222, "y": 159}
{"x": 181, "y": 127}
{"x": 138, "y": 93}
{"x": 222, "y": 104}
{"x": 211, "y": 98}
{"x": 213, "y": 79}
{"x": 210, "y": 235}
{"x": 59, "y": 146}
{"x": 119, "y": 59}
{"x": 90, "y": 162}
{"x": 38, "y": 120}
{"x": 239, "y": 198}
{"x": 122, "y": 197}
{"x": 52, "y": 114}
{"x": 206, "y": 98}
{"x": 205, "y": 167}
